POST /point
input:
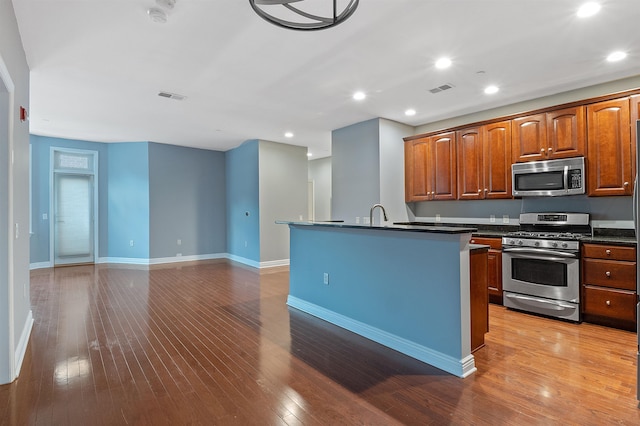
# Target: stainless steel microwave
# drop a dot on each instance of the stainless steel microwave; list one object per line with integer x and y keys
{"x": 550, "y": 178}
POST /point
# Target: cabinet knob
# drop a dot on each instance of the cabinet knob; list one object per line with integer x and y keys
{"x": 626, "y": 184}
{"x": 473, "y": 241}
{"x": 479, "y": 191}
{"x": 608, "y": 252}
{"x": 608, "y": 302}
{"x": 608, "y": 274}
{"x": 542, "y": 150}
{"x": 550, "y": 149}
{"x": 486, "y": 190}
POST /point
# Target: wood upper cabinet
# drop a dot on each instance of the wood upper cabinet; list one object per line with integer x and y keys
{"x": 430, "y": 168}
{"x": 551, "y": 135}
{"x": 635, "y": 116}
{"x": 484, "y": 162}
{"x": 470, "y": 164}
{"x": 496, "y": 141}
{"x": 609, "y": 163}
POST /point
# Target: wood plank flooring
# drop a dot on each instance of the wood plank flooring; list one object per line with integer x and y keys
{"x": 213, "y": 343}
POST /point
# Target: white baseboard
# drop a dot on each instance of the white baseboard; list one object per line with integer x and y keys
{"x": 458, "y": 367}
{"x": 243, "y": 260}
{"x": 40, "y": 265}
{"x": 160, "y": 260}
{"x": 274, "y": 263}
{"x": 21, "y": 348}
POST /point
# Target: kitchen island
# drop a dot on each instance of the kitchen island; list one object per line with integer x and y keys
{"x": 402, "y": 286}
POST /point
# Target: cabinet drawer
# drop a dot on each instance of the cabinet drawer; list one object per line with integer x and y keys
{"x": 615, "y": 304}
{"x": 609, "y": 273}
{"x": 600, "y": 251}
{"x": 494, "y": 243}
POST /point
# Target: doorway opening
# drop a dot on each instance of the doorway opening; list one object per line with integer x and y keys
{"x": 74, "y": 237}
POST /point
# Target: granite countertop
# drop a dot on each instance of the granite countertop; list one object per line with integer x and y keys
{"x": 439, "y": 229}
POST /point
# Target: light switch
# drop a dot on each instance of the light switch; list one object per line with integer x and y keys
{"x": 44, "y": 216}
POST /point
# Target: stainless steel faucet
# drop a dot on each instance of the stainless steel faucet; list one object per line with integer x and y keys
{"x": 384, "y": 213}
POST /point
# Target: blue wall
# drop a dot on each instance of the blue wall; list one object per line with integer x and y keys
{"x": 243, "y": 195}
{"x": 128, "y": 200}
{"x": 41, "y": 183}
{"x": 187, "y": 201}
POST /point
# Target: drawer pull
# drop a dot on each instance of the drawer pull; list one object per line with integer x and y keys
{"x": 608, "y": 302}
{"x": 608, "y": 252}
{"x": 608, "y": 274}
{"x": 473, "y": 241}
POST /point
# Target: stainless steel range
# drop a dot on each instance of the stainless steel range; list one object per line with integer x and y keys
{"x": 541, "y": 264}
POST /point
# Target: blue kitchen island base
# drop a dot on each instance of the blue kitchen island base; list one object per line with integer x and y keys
{"x": 407, "y": 290}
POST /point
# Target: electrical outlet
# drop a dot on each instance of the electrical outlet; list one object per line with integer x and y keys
{"x": 130, "y": 243}
{"x": 505, "y": 218}
{"x": 300, "y": 217}
{"x": 492, "y": 218}
{"x": 178, "y": 254}
{"x": 438, "y": 219}
{"x": 365, "y": 220}
{"x": 357, "y": 219}
{"x": 179, "y": 242}
{"x": 325, "y": 278}
{"x": 44, "y": 216}
{"x": 245, "y": 243}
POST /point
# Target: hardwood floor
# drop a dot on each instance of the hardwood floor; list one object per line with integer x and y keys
{"x": 214, "y": 343}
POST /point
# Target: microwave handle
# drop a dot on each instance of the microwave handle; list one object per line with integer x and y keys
{"x": 566, "y": 178}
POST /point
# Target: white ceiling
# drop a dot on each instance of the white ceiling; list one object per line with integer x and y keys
{"x": 97, "y": 66}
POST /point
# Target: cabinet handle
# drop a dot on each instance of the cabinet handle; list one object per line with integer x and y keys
{"x": 608, "y": 274}
{"x": 608, "y": 302}
{"x": 608, "y": 252}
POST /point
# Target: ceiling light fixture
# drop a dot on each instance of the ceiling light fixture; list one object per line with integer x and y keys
{"x": 443, "y": 63}
{"x": 157, "y": 15}
{"x": 280, "y": 12}
{"x": 616, "y": 56}
{"x": 490, "y": 90}
{"x": 358, "y": 96}
{"x": 588, "y": 9}
{"x": 309, "y": 154}
{"x": 288, "y": 135}
{"x": 410, "y": 112}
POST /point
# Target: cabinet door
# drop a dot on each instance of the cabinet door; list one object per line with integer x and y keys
{"x": 470, "y": 172}
{"x": 443, "y": 164}
{"x": 494, "y": 276}
{"x": 529, "y": 138}
{"x": 566, "y": 133}
{"x": 496, "y": 139}
{"x": 415, "y": 158}
{"x": 635, "y": 116}
{"x": 609, "y": 148}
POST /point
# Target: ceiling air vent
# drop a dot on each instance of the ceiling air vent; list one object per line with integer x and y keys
{"x": 170, "y": 95}
{"x": 441, "y": 88}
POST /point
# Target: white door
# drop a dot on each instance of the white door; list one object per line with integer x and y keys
{"x": 73, "y": 219}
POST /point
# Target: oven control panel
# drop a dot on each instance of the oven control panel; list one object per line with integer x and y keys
{"x": 544, "y": 244}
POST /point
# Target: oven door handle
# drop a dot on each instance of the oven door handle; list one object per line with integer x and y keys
{"x": 546, "y": 303}
{"x": 541, "y": 253}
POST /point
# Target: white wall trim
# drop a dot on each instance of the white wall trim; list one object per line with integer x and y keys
{"x": 243, "y": 260}
{"x": 40, "y": 265}
{"x": 161, "y": 260}
{"x": 274, "y": 263}
{"x": 458, "y": 367}
{"x": 21, "y": 348}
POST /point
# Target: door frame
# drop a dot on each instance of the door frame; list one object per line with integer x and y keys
{"x": 52, "y": 173}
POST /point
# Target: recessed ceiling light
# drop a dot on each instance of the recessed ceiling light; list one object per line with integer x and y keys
{"x": 588, "y": 9}
{"x": 288, "y": 135}
{"x": 410, "y": 112}
{"x": 157, "y": 15}
{"x": 616, "y": 56}
{"x": 443, "y": 63}
{"x": 358, "y": 96}
{"x": 490, "y": 90}
{"x": 309, "y": 154}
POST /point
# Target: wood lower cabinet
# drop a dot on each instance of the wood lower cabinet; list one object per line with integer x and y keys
{"x": 430, "y": 168}
{"x": 609, "y": 285}
{"x": 609, "y": 161}
{"x": 479, "y": 304}
{"x": 494, "y": 272}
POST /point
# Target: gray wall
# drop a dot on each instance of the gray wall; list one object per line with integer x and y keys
{"x": 320, "y": 175}
{"x": 392, "y": 169}
{"x": 243, "y": 202}
{"x": 187, "y": 201}
{"x": 14, "y": 286}
{"x": 355, "y": 170}
{"x": 283, "y": 195}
